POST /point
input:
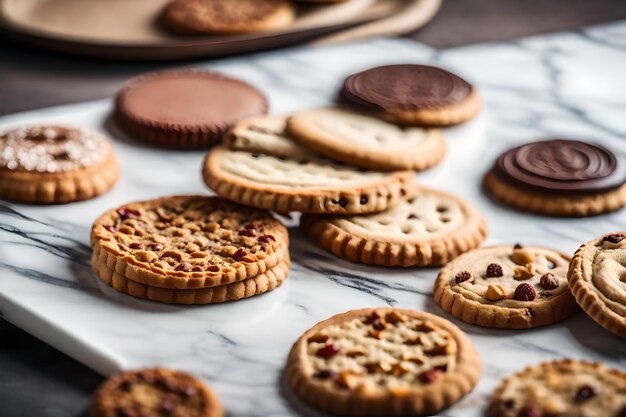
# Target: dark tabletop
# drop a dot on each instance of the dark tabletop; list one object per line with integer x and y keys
{"x": 35, "y": 379}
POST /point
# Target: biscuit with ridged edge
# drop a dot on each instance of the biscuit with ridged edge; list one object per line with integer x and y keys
{"x": 431, "y": 228}
{"x": 339, "y": 366}
{"x": 154, "y": 392}
{"x": 568, "y": 387}
{"x": 555, "y": 205}
{"x": 260, "y": 284}
{"x": 309, "y": 184}
{"x": 362, "y": 139}
{"x": 480, "y": 287}
{"x": 597, "y": 278}
{"x": 188, "y": 241}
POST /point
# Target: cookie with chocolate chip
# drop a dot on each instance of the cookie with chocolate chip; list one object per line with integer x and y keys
{"x": 187, "y": 242}
{"x": 430, "y": 228}
{"x": 52, "y": 164}
{"x": 268, "y": 170}
{"x": 154, "y": 392}
{"x": 597, "y": 278}
{"x": 561, "y": 388}
{"x": 383, "y": 362}
{"x": 511, "y": 287}
{"x": 559, "y": 178}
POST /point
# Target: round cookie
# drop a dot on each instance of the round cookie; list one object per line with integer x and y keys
{"x": 506, "y": 287}
{"x": 264, "y": 134}
{"x": 559, "y": 178}
{"x": 227, "y": 17}
{"x": 50, "y": 164}
{"x": 431, "y": 228}
{"x": 154, "y": 392}
{"x": 413, "y": 95}
{"x": 187, "y": 242}
{"x": 260, "y": 284}
{"x": 179, "y": 109}
{"x": 597, "y": 278}
{"x": 360, "y": 139}
{"x": 383, "y": 362}
{"x": 561, "y": 388}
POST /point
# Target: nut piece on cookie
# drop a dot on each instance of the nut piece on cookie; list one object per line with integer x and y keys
{"x": 495, "y": 292}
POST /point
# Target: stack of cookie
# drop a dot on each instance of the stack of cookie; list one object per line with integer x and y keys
{"x": 350, "y": 169}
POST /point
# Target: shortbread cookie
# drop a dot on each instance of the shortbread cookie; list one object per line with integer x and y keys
{"x": 185, "y": 109}
{"x": 383, "y": 362}
{"x": 431, "y": 228}
{"x": 559, "y": 178}
{"x": 597, "y": 278}
{"x": 187, "y": 242}
{"x": 309, "y": 184}
{"x": 260, "y": 284}
{"x": 568, "y": 388}
{"x": 225, "y": 17}
{"x": 414, "y": 95}
{"x": 359, "y": 139}
{"x": 50, "y": 164}
{"x": 264, "y": 134}
{"x": 154, "y": 393}
{"x": 506, "y": 287}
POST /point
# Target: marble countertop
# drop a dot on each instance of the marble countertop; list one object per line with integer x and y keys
{"x": 562, "y": 85}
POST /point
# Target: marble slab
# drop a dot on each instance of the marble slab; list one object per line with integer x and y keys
{"x": 562, "y": 85}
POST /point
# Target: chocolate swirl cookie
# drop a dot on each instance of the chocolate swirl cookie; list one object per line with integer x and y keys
{"x": 413, "y": 94}
{"x": 559, "y": 177}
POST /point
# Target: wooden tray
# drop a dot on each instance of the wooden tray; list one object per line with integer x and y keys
{"x": 128, "y": 29}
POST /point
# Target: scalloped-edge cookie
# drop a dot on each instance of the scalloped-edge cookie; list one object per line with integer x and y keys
{"x": 597, "y": 278}
{"x": 154, "y": 392}
{"x": 428, "y": 229}
{"x": 509, "y": 287}
{"x": 566, "y": 387}
{"x": 52, "y": 164}
{"x": 184, "y": 242}
{"x": 383, "y": 362}
{"x": 361, "y": 139}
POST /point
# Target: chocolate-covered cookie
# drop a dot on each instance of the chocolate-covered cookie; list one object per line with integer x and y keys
{"x": 413, "y": 94}
{"x": 559, "y": 177}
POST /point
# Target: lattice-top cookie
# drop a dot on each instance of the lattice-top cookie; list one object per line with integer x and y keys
{"x": 562, "y": 388}
{"x": 597, "y": 277}
{"x": 504, "y": 286}
{"x": 387, "y": 359}
{"x": 189, "y": 241}
{"x": 430, "y": 228}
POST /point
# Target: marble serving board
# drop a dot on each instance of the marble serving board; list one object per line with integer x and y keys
{"x": 563, "y": 85}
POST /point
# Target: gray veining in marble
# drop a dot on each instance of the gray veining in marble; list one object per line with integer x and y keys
{"x": 563, "y": 85}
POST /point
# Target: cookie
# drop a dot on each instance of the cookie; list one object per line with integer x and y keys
{"x": 260, "y": 284}
{"x": 179, "y": 108}
{"x": 227, "y": 17}
{"x": 359, "y": 139}
{"x": 50, "y": 164}
{"x": 413, "y": 95}
{"x": 597, "y": 278}
{"x": 559, "y": 178}
{"x": 431, "y": 228}
{"x": 506, "y": 287}
{"x": 383, "y": 362}
{"x": 567, "y": 387}
{"x": 264, "y": 134}
{"x": 154, "y": 392}
{"x": 187, "y": 242}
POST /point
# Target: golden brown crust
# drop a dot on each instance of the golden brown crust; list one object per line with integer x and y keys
{"x": 360, "y": 245}
{"x": 502, "y": 311}
{"x": 445, "y": 116}
{"x": 155, "y": 391}
{"x": 419, "y": 399}
{"x": 553, "y": 205}
{"x": 380, "y": 193}
{"x": 592, "y": 298}
{"x": 59, "y": 187}
{"x": 200, "y": 242}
